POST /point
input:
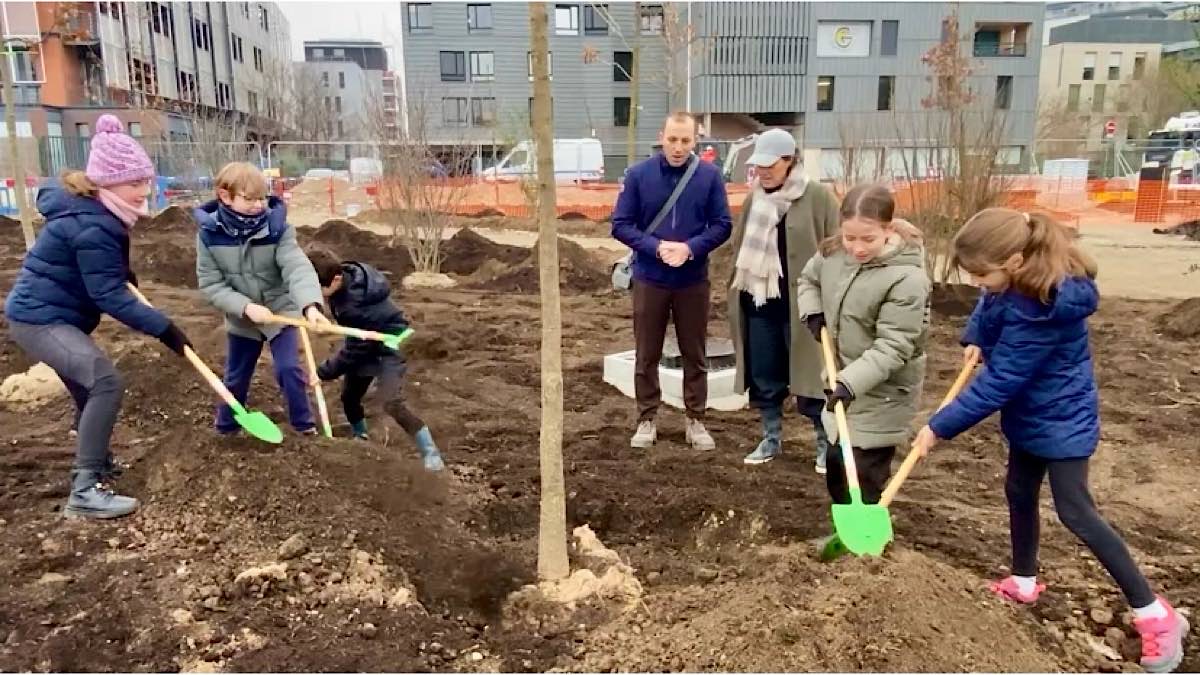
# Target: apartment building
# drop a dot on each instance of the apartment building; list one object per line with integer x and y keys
{"x": 822, "y": 70}
{"x": 159, "y": 66}
{"x": 350, "y": 75}
{"x": 1089, "y": 84}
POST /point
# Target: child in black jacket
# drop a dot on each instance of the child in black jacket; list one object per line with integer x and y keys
{"x": 358, "y": 296}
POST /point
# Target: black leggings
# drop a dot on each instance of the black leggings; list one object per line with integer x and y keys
{"x": 1076, "y": 510}
{"x": 874, "y": 467}
{"x": 390, "y": 390}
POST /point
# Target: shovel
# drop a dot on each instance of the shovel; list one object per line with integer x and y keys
{"x": 834, "y": 547}
{"x": 865, "y": 529}
{"x": 255, "y": 423}
{"x": 322, "y": 410}
{"x": 390, "y": 340}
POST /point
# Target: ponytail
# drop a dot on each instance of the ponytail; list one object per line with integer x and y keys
{"x": 77, "y": 183}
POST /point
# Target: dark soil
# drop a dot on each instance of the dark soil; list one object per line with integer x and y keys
{"x": 953, "y": 300}
{"x": 1182, "y": 321}
{"x": 1189, "y": 230}
{"x": 467, "y": 251}
{"x": 724, "y": 551}
{"x": 578, "y": 272}
{"x": 351, "y": 243}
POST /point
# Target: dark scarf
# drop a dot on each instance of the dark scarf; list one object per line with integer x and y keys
{"x": 240, "y": 225}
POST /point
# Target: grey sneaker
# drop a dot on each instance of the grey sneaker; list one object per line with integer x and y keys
{"x": 698, "y": 437}
{"x": 767, "y": 450}
{"x": 645, "y": 436}
{"x": 91, "y": 498}
{"x": 822, "y": 455}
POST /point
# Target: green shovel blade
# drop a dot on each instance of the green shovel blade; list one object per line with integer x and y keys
{"x": 832, "y": 549}
{"x": 864, "y": 529}
{"x": 257, "y": 425}
{"x": 393, "y": 341}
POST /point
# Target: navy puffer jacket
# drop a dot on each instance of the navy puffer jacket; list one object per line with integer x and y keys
{"x": 1037, "y": 372}
{"x": 364, "y": 301}
{"x": 78, "y": 268}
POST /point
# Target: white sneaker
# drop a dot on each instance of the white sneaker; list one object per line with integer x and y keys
{"x": 698, "y": 437}
{"x": 645, "y": 436}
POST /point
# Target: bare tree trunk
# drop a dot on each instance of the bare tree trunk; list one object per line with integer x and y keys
{"x": 14, "y": 150}
{"x": 634, "y": 87}
{"x": 552, "y": 530}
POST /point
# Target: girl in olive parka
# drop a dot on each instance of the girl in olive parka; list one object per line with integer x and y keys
{"x": 868, "y": 286}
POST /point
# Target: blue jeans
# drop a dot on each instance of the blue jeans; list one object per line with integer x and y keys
{"x": 289, "y": 373}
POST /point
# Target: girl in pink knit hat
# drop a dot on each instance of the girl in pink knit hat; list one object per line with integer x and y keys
{"x": 78, "y": 270}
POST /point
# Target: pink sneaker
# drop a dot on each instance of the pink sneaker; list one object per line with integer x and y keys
{"x": 1008, "y": 589}
{"x": 1162, "y": 640}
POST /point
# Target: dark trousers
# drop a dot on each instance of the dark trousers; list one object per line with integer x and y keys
{"x": 240, "y": 363}
{"x": 89, "y": 376}
{"x": 390, "y": 391}
{"x": 1076, "y": 510}
{"x": 767, "y": 359}
{"x": 874, "y": 468}
{"x": 653, "y": 308}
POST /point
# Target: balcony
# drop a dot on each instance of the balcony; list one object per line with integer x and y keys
{"x": 76, "y": 25}
{"x": 1001, "y": 40}
{"x": 990, "y": 49}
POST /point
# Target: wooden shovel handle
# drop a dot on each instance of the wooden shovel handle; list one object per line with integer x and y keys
{"x": 209, "y": 376}
{"x": 911, "y": 460}
{"x": 839, "y": 412}
{"x": 314, "y": 380}
{"x": 332, "y": 328}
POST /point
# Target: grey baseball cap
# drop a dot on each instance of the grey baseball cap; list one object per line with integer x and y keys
{"x": 770, "y": 146}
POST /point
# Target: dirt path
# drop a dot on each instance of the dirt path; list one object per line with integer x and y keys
{"x": 388, "y": 568}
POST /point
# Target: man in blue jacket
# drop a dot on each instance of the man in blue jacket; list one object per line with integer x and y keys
{"x": 670, "y": 270}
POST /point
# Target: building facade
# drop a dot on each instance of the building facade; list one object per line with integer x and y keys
{"x": 350, "y": 75}
{"x": 823, "y": 70}
{"x": 159, "y": 66}
{"x": 1090, "y": 84}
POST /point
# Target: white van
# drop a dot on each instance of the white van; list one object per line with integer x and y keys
{"x": 575, "y": 160}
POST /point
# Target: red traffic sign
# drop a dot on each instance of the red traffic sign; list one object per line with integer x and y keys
{"x": 1110, "y": 127}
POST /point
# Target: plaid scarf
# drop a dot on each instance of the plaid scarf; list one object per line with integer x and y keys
{"x": 758, "y": 265}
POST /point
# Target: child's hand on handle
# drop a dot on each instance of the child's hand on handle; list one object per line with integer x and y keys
{"x": 972, "y": 353}
{"x": 843, "y": 394}
{"x": 174, "y": 339}
{"x": 925, "y": 441}
{"x": 314, "y": 315}
{"x": 815, "y": 322}
{"x": 257, "y": 313}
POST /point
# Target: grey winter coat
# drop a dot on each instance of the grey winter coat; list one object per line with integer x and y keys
{"x": 878, "y": 317}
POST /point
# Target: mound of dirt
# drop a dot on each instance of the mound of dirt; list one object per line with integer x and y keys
{"x": 166, "y": 262}
{"x": 467, "y": 251}
{"x": 1189, "y": 230}
{"x": 352, "y": 243}
{"x": 37, "y": 386}
{"x": 1182, "y": 321}
{"x": 953, "y": 300}
{"x": 578, "y": 272}
{"x": 173, "y": 218}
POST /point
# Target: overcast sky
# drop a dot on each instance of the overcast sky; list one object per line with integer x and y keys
{"x": 325, "y": 20}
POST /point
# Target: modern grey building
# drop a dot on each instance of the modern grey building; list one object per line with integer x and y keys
{"x": 349, "y": 75}
{"x": 824, "y": 70}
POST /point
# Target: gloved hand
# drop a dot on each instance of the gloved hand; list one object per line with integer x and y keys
{"x": 325, "y": 372}
{"x": 132, "y": 278}
{"x": 174, "y": 339}
{"x": 842, "y": 393}
{"x": 815, "y": 323}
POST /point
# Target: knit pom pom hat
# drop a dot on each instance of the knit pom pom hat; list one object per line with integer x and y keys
{"x": 116, "y": 157}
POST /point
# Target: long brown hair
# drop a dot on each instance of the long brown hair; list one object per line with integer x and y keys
{"x": 871, "y": 201}
{"x": 992, "y": 237}
{"x": 77, "y": 183}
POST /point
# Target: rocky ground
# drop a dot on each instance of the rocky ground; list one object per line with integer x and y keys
{"x": 335, "y": 555}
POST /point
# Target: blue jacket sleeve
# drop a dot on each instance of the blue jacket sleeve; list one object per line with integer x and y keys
{"x": 626, "y": 215}
{"x": 1020, "y": 353}
{"x": 100, "y": 257}
{"x": 720, "y": 224}
{"x": 971, "y": 334}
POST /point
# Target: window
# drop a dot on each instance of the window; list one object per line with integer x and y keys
{"x": 324, "y": 79}
{"x": 420, "y": 16}
{"x": 252, "y": 101}
{"x": 621, "y": 109}
{"x": 337, "y": 104}
{"x": 1073, "y": 98}
{"x": 566, "y": 19}
{"x": 483, "y": 112}
{"x": 549, "y": 64}
{"x": 887, "y": 89}
{"x": 161, "y": 18}
{"x": 246, "y": 10}
{"x": 135, "y": 129}
{"x": 593, "y": 19}
{"x": 318, "y": 53}
{"x": 889, "y": 39}
{"x": 1004, "y": 85}
{"x": 202, "y": 35}
{"x": 1098, "y": 92}
{"x": 1089, "y": 66}
{"x": 622, "y": 66}
{"x": 83, "y": 130}
{"x": 239, "y": 53}
{"x": 1123, "y": 94}
{"x": 258, "y": 59}
{"x": 1139, "y": 66}
{"x": 1114, "y": 66}
{"x": 825, "y": 93}
{"x": 341, "y": 79}
{"x": 483, "y": 67}
{"x": 454, "y": 66}
{"x": 224, "y": 95}
{"x": 479, "y": 17}
{"x": 341, "y": 126}
{"x": 454, "y": 112}
{"x": 328, "y": 104}
{"x": 1133, "y": 128}
{"x": 339, "y": 53}
{"x": 144, "y": 77}
{"x": 264, "y": 21}
{"x": 651, "y": 20}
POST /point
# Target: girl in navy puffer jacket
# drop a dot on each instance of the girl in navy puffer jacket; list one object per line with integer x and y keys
{"x": 1030, "y": 327}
